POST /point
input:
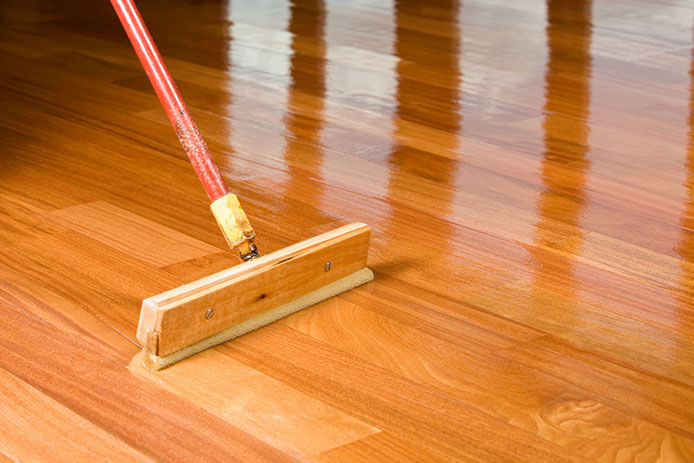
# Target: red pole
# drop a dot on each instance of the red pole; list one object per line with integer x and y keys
{"x": 188, "y": 133}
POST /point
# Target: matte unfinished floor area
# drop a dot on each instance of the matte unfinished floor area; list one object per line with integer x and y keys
{"x": 527, "y": 168}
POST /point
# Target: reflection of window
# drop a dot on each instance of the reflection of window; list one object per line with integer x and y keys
{"x": 363, "y": 78}
{"x": 259, "y": 56}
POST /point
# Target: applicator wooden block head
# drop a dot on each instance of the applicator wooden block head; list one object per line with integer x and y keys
{"x": 186, "y": 320}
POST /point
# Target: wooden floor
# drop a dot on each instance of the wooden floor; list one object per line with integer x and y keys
{"x": 527, "y": 168}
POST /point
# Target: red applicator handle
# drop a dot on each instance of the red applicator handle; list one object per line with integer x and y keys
{"x": 225, "y": 206}
{"x": 186, "y": 129}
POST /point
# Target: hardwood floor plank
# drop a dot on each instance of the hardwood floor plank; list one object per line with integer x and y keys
{"x": 532, "y": 401}
{"x": 287, "y": 419}
{"x": 64, "y": 367}
{"x": 381, "y": 446}
{"x": 69, "y": 312}
{"x": 391, "y": 402}
{"x": 590, "y": 328}
{"x": 31, "y": 440}
{"x": 132, "y": 234}
{"x": 614, "y": 384}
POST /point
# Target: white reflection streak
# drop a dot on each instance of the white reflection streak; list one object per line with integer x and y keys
{"x": 360, "y": 95}
{"x": 259, "y": 68}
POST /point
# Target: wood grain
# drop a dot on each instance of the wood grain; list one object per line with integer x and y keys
{"x": 27, "y": 438}
{"x": 132, "y": 234}
{"x": 283, "y": 417}
{"x": 71, "y": 369}
{"x": 527, "y": 172}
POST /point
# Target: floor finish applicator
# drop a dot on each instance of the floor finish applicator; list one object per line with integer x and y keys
{"x": 186, "y": 320}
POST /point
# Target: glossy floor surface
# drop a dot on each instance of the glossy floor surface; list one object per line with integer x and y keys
{"x": 527, "y": 168}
